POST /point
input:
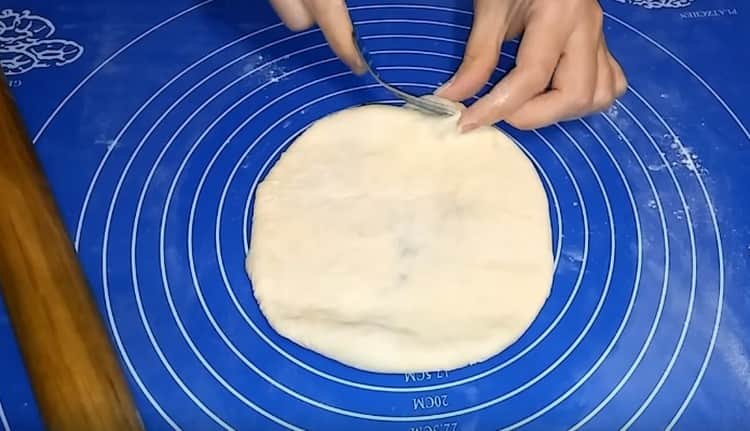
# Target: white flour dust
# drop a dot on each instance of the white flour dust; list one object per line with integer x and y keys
{"x": 109, "y": 143}
{"x": 681, "y": 155}
{"x": 265, "y": 67}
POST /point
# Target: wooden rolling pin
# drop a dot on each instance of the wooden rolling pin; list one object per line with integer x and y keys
{"x": 73, "y": 369}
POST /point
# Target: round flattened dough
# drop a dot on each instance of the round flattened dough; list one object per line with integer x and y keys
{"x": 388, "y": 241}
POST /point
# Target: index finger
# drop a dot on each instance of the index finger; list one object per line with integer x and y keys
{"x": 540, "y": 50}
{"x": 333, "y": 19}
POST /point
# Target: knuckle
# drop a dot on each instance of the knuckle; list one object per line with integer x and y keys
{"x": 484, "y": 62}
{"x": 537, "y": 77}
{"x": 581, "y": 101}
{"x": 621, "y": 86}
{"x": 492, "y": 113}
{"x": 525, "y": 121}
{"x": 520, "y": 124}
{"x": 602, "y": 102}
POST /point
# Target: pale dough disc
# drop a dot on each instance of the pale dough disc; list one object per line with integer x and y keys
{"x": 388, "y": 241}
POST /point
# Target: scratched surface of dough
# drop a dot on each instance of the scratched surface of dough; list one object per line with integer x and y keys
{"x": 386, "y": 240}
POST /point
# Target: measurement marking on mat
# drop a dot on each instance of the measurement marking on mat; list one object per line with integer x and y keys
{"x": 429, "y": 402}
{"x": 445, "y": 426}
{"x": 423, "y": 377}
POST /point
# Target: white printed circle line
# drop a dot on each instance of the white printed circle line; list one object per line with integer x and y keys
{"x": 665, "y": 238}
{"x": 139, "y": 208}
{"x": 636, "y": 283}
{"x": 4, "y": 419}
{"x": 159, "y": 158}
{"x": 386, "y": 388}
{"x": 281, "y": 120}
{"x": 198, "y": 62}
{"x": 189, "y": 92}
{"x": 146, "y": 326}
{"x": 88, "y": 194}
{"x": 405, "y": 389}
{"x": 107, "y": 60}
{"x": 415, "y": 6}
{"x": 156, "y": 94}
{"x": 693, "y": 280}
{"x": 313, "y": 402}
{"x": 371, "y": 387}
{"x": 111, "y": 319}
{"x": 168, "y": 20}
{"x": 107, "y": 300}
{"x": 119, "y": 135}
{"x": 104, "y": 254}
{"x": 445, "y": 385}
{"x": 144, "y": 319}
{"x": 720, "y": 302}
{"x": 712, "y": 211}
{"x": 205, "y": 175}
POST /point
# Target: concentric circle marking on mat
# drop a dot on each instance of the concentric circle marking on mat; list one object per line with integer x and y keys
{"x": 156, "y": 94}
{"x": 693, "y": 280}
{"x": 159, "y": 352}
{"x": 141, "y": 310}
{"x": 165, "y": 283}
{"x": 279, "y": 121}
{"x": 712, "y": 211}
{"x": 118, "y": 341}
{"x": 255, "y": 183}
{"x": 216, "y": 235}
{"x": 251, "y": 146}
{"x": 683, "y": 331}
{"x": 636, "y": 283}
{"x": 415, "y": 389}
{"x": 3, "y": 419}
{"x": 245, "y": 236}
{"x": 665, "y": 277}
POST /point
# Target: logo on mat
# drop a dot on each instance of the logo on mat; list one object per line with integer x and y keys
{"x": 26, "y": 43}
{"x": 658, "y": 4}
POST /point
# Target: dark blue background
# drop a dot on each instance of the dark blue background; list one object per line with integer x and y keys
{"x": 158, "y": 279}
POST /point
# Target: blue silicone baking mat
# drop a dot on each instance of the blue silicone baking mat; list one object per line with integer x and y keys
{"x": 155, "y": 121}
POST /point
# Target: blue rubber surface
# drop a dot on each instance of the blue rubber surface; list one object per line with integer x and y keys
{"x": 155, "y": 121}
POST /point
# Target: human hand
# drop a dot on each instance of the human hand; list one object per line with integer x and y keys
{"x": 333, "y": 19}
{"x": 563, "y": 67}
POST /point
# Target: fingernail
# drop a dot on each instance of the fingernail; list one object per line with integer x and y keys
{"x": 359, "y": 67}
{"x": 444, "y": 87}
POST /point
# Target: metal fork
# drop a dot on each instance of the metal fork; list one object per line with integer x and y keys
{"x": 420, "y": 103}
